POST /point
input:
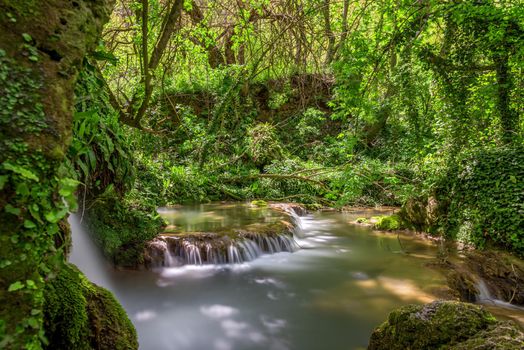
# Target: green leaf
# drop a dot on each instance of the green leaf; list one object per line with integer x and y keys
{"x": 67, "y": 186}
{"x": 15, "y": 286}
{"x": 12, "y": 210}
{"x": 102, "y": 55}
{"x": 55, "y": 216}
{"x": 33, "y": 322}
{"x": 3, "y": 180}
{"x": 35, "y": 312}
{"x": 27, "y": 37}
{"x": 29, "y": 224}
{"x": 22, "y": 189}
{"x": 20, "y": 170}
{"x": 5, "y": 263}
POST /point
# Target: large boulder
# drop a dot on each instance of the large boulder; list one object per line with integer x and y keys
{"x": 445, "y": 325}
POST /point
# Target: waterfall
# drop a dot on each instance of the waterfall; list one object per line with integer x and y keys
{"x": 87, "y": 256}
{"x": 209, "y": 248}
{"x": 169, "y": 251}
{"x": 484, "y": 296}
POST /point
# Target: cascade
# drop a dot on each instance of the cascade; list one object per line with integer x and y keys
{"x": 238, "y": 246}
{"x": 87, "y": 256}
{"x": 484, "y": 296}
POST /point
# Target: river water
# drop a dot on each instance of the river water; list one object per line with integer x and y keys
{"x": 329, "y": 294}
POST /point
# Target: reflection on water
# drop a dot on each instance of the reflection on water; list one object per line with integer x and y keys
{"x": 328, "y": 295}
{"x": 211, "y": 217}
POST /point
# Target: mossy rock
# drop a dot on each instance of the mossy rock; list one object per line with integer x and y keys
{"x": 313, "y": 206}
{"x": 259, "y": 203}
{"x": 81, "y": 315}
{"x": 362, "y": 220}
{"x": 122, "y": 232}
{"x": 443, "y": 325}
{"x": 388, "y": 223}
{"x": 502, "y": 336}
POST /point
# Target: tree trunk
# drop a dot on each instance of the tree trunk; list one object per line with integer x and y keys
{"x": 42, "y": 46}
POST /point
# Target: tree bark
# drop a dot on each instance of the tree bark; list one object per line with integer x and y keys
{"x": 42, "y": 46}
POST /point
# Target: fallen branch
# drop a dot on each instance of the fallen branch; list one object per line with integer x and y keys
{"x": 283, "y": 177}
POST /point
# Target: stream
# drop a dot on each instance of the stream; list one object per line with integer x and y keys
{"x": 329, "y": 294}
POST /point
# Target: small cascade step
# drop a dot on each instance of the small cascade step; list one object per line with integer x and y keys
{"x": 238, "y": 246}
{"x": 169, "y": 251}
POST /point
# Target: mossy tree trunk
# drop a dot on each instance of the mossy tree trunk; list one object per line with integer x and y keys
{"x": 42, "y": 46}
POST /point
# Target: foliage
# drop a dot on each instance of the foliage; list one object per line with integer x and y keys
{"x": 100, "y": 151}
{"x": 262, "y": 145}
{"x": 484, "y": 194}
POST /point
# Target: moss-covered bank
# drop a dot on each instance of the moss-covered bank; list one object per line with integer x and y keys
{"x": 122, "y": 231}
{"x": 445, "y": 325}
{"x": 81, "y": 315}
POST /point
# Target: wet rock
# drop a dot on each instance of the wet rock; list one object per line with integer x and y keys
{"x": 420, "y": 212}
{"x": 388, "y": 223}
{"x": 503, "y": 274}
{"x": 444, "y": 325}
{"x": 289, "y": 208}
{"x": 223, "y": 247}
{"x": 463, "y": 285}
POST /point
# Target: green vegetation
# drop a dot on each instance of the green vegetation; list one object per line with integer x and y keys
{"x": 388, "y": 223}
{"x": 415, "y": 104}
{"x": 403, "y": 108}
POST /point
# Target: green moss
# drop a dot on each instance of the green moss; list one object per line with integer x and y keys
{"x": 81, "y": 315}
{"x": 388, "y": 223}
{"x": 122, "y": 231}
{"x": 441, "y": 325}
{"x": 313, "y": 206}
{"x": 259, "y": 203}
{"x": 361, "y": 221}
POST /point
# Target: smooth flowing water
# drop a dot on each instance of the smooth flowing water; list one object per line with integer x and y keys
{"x": 329, "y": 294}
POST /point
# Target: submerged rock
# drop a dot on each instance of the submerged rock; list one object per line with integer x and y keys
{"x": 259, "y": 203}
{"x": 445, "y": 325}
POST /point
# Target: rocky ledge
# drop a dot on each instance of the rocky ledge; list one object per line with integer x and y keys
{"x": 225, "y": 246}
